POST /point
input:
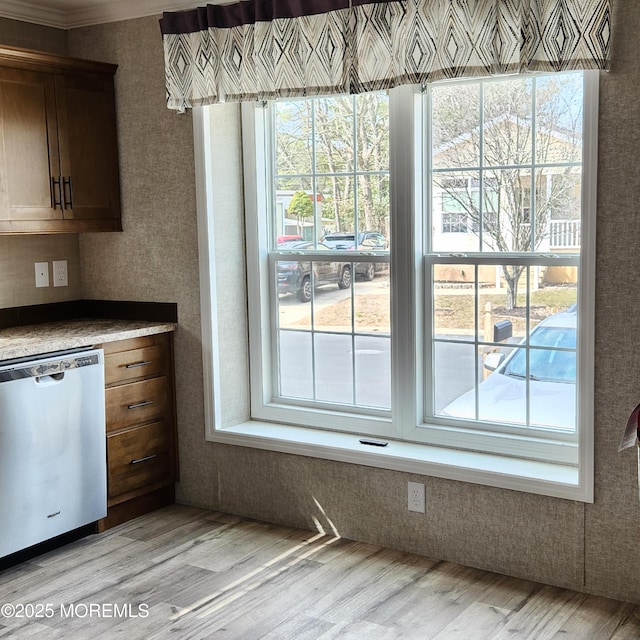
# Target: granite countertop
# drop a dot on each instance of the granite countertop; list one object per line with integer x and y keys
{"x": 37, "y": 339}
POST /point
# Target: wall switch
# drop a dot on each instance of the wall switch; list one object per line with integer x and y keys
{"x": 60, "y": 274}
{"x": 416, "y": 497}
{"x": 42, "y": 274}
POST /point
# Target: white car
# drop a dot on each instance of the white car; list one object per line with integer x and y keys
{"x": 552, "y": 380}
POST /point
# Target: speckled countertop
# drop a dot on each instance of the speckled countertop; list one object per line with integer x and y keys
{"x": 36, "y": 339}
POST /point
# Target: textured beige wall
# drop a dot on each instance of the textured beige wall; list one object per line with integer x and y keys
{"x": 17, "y": 271}
{"x": 156, "y": 256}
{"x": 590, "y": 547}
{"x": 612, "y": 523}
{"x": 18, "y": 254}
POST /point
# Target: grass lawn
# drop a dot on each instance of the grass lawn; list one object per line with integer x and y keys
{"x": 457, "y": 311}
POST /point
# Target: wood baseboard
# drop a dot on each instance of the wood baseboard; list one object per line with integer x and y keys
{"x": 125, "y": 511}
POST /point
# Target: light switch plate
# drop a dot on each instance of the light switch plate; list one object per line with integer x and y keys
{"x": 42, "y": 274}
{"x": 60, "y": 273}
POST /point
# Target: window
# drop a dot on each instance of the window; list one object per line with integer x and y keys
{"x": 513, "y": 133}
{"x": 328, "y": 296}
{"x": 420, "y": 266}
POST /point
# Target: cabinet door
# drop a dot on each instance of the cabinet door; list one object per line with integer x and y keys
{"x": 28, "y": 148}
{"x": 88, "y": 149}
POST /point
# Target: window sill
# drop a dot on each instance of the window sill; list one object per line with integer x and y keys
{"x": 543, "y": 478}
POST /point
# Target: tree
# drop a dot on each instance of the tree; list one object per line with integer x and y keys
{"x": 494, "y": 127}
{"x": 301, "y": 207}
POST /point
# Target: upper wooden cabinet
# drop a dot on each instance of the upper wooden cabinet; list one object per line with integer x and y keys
{"x": 58, "y": 145}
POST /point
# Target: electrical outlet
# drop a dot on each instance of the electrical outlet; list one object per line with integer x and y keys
{"x": 60, "y": 274}
{"x": 42, "y": 274}
{"x": 415, "y": 492}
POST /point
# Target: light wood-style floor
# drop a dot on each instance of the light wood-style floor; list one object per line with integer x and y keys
{"x": 185, "y": 573}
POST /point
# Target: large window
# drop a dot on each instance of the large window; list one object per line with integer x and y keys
{"x": 420, "y": 269}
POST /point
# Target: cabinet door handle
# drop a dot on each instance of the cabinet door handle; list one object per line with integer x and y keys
{"x": 145, "y": 459}
{"x": 57, "y": 199}
{"x": 66, "y": 184}
{"x": 133, "y": 365}
{"x": 146, "y": 403}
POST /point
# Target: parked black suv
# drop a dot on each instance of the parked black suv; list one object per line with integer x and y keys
{"x": 367, "y": 241}
{"x": 294, "y": 276}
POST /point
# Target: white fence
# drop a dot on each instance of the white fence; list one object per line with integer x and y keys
{"x": 564, "y": 234}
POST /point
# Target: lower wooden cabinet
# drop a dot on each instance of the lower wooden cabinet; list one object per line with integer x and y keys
{"x": 140, "y": 421}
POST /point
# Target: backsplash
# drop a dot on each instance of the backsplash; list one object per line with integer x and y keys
{"x": 18, "y": 255}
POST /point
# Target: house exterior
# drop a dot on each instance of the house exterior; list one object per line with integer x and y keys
{"x": 468, "y": 194}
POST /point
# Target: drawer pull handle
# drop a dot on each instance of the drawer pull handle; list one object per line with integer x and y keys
{"x": 146, "y": 403}
{"x": 145, "y": 459}
{"x": 133, "y": 365}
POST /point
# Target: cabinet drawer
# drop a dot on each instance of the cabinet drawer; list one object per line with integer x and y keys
{"x": 137, "y": 402}
{"x": 138, "y": 363}
{"x": 138, "y": 457}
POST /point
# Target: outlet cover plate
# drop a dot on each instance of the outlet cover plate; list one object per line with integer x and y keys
{"x": 42, "y": 274}
{"x": 60, "y": 273}
{"x": 415, "y": 497}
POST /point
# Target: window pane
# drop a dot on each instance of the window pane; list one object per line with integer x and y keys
{"x": 373, "y": 207}
{"x": 455, "y": 126}
{"x": 337, "y": 204}
{"x": 456, "y": 211}
{"x": 293, "y": 137}
{"x": 454, "y": 375}
{"x": 333, "y": 134}
{"x": 559, "y": 101}
{"x": 454, "y": 292}
{"x": 332, "y": 305}
{"x": 558, "y": 203}
{"x": 296, "y": 364}
{"x": 372, "y": 131}
{"x": 506, "y": 216}
{"x": 508, "y": 122}
{"x": 502, "y": 398}
{"x": 333, "y": 368}
{"x": 290, "y": 287}
{"x": 372, "y": 300}
{"x": 373, "y": 371}
{"x": 294, "y": 213}
{"x": 323, "y": 281}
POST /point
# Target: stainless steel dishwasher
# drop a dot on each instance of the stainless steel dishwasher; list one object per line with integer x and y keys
{"x": 52, "y": 447}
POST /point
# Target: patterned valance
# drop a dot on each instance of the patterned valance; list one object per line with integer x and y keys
{"x": 263, "y": 49}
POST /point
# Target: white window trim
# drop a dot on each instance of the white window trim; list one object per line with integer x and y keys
{"x": 557, "y": 480}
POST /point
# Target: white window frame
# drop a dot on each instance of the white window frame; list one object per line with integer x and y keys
{"x": 273, "y": 427}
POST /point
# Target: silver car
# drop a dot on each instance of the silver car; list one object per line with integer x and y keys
{"x": 502, "y": 396}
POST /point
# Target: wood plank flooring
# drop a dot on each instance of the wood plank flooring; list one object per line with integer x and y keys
{"x": 186, "y": 574}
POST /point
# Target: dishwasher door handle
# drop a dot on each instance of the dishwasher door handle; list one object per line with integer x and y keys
{"x": 146, "y": 403}
{"x": 53, "y": 378}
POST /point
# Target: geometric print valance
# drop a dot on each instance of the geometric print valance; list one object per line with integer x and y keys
{"x": 259, "y": 50}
